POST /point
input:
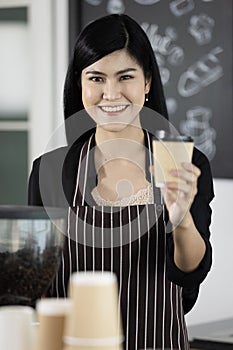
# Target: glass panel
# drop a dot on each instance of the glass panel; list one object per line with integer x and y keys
{"x": 13, "y": 168}
{"x": 14, "y": 64}
{"x": 14, "y": 14}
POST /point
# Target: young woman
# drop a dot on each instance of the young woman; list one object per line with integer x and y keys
{"x": 157, "y": 244}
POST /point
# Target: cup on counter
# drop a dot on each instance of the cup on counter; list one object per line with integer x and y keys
{"x": 95, "y": 319}
{"x": 169, "y": 152}
{"x": 16, "y": 331}
{"x": 51, "y": 314}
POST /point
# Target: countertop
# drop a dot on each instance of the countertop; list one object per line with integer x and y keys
{"x": 217, "y": 335}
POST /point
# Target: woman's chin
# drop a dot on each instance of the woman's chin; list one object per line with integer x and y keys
{"x": 113, "y": 127}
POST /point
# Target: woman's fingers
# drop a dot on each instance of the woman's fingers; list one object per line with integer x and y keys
{"x": 188, "y": 173}
{"x": 179, "y": 195}
{"x": 185, "y": 187}
{"x": 192, "y": 168}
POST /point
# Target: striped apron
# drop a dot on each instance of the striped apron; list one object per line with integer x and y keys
{"x": 131, "y": 242}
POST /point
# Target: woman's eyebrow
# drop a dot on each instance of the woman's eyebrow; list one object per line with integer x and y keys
{"x": 122, "y": 71}
{"x": 95, "y": 72}
{"x": 126, "y": 70}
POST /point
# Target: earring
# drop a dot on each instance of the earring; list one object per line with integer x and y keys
{"x": 147, "y": 98}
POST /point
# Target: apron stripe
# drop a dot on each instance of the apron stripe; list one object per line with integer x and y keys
{"x": 178, "y": 321}
{"x": 164, "y": 293}
{"x": 150, "y": 161}
{"x": 84, "y": 239}
{"x": 171, "y": 323}
{"x": 120, "y": 269}
{"x": 183, "y": 324}
{"x": 93, "y": 240}
{"x": 76, "y": 236}
{"x": 147, "y": 275}
{"x": 102, "y": 235}
{"x": 111, "y": 236}
{"x": 69, "y": 241}
{"x": 137, "y": 282}
{"x": 128, "y": 283}
{"x": 156, "y": 281}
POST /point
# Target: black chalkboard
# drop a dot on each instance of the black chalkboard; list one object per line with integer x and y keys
{"x": 192, "y": 40}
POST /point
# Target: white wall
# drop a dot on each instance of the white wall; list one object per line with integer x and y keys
{"x": 48, "y": 20}
{"x": 215, "y": 300}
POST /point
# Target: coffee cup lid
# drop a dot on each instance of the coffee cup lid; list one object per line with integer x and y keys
{"x": 91, "y": 278}
{"x": 165, "y": 135}
{"x": 53, "y": 306}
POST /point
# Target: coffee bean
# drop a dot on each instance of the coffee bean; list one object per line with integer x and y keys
{"x": 25, "y": 275}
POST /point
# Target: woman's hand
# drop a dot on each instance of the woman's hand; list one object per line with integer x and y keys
{"x": 189, "y": 246}
{"x": 179, "y": 196}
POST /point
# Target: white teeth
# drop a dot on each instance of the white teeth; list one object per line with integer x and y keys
{"x": 113, "y": 109}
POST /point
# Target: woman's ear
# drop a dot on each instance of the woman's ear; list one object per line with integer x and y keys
{"x": 147, "y": 84}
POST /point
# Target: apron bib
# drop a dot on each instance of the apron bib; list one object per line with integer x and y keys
{"x": 130, "y": 241}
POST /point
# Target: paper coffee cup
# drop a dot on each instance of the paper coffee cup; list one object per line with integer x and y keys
{"x": 169, "y": 152}
{"x": 51, "y": 314}
{"x": 16, "y": 327}
{"x": 95, "y": 321}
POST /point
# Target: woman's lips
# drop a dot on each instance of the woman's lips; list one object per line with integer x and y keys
{"x": 113, "y": 110}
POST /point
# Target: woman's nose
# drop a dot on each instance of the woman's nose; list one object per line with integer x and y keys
{"x": 111, "y": 91}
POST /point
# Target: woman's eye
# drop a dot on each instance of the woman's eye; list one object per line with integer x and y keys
{"x": 96, "y": 79}
{"x": 126, "y": 77}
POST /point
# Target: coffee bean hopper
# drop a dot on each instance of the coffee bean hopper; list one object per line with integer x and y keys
{"x": 31, "y": 242}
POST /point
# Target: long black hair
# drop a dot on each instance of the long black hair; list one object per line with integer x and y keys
{"x": 102, "y": 37}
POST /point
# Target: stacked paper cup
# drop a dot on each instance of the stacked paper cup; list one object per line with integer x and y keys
{"x": 51, "y": 315}
{"x": 94, "y": 322}
{"x": 16, "y": 331}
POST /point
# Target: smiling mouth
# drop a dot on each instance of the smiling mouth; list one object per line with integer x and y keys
{"x": 113, "y": 109}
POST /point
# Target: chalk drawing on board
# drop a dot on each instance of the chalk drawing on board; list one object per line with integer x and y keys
{"x": 164, "y": 44}
{"x": 171, "y": 32}
{"x": 171, "y": 105}
{"x": 115, "y": 6}
{"x": 197, "y": 125}
{"x": 159, "y": 43}
{"x": 201, "y": 28}
{"x": 176, "y": 56}
{"x": 201, "y": 74}
{"x": 181, "y": 7}
{"x": 146, "y": 2}
{"x": 94, "y": 2}
{"x": 165, "y": 74}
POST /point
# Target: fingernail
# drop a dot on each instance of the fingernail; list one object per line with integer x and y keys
{"x": 187, "y": 165}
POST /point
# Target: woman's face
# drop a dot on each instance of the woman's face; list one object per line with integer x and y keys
{"x": 113, "y": 90}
